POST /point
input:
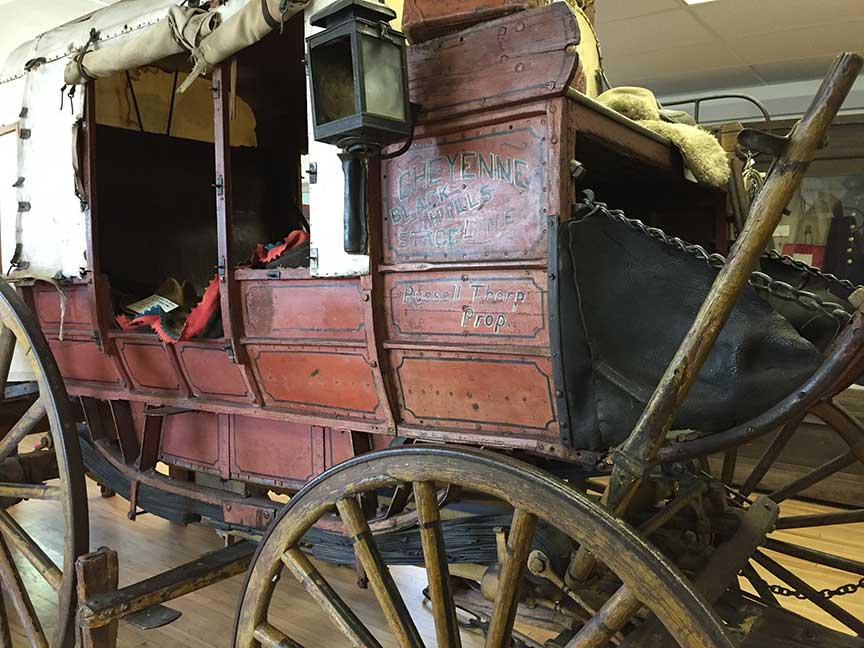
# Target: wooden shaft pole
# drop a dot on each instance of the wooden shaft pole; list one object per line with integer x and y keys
{"x": 785, "y": 177}
{"x": 97, "y": 574}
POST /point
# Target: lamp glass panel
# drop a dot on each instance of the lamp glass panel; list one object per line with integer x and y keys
{"x": 333, "y": 80}
{"x": 383, "y": 78}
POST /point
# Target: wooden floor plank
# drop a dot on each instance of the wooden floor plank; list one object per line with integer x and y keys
{"x": 150, "y": 545}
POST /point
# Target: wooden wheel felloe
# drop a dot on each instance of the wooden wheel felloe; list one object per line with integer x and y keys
{"x": 40, "y": 460}
{"x": 645, "y": 576}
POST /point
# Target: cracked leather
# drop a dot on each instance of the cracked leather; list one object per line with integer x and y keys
{"x": 627, "y": 302}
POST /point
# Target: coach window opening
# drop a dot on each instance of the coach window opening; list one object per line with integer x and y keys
{"x": 156, "y": 186}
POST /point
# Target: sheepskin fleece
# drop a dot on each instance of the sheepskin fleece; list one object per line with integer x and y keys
{"x": 632, "y": 102}
{"x": 702, "y": 153}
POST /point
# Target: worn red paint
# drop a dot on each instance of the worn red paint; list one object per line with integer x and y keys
{"x": 476, "y": 391}
{"x": 490, "y": 307}
{"x": 210, "y": 372}
{"x": 478, "y": 195}
{"x": 303, "y": 310}
{"x": 450, "y": 331}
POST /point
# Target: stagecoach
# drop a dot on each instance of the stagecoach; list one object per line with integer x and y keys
{"x": 493, "y": 333}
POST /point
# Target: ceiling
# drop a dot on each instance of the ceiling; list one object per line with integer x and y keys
{"x": 663, "y": 44}
{"x": 21, "y": 20}
{"x": 672, "y": 47}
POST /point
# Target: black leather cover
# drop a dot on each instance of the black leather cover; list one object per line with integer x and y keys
{"x": 626, "y": 303}
{"x": 818, "y": 327}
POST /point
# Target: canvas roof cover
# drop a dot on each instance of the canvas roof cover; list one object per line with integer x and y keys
{"x": 48, "y": 219}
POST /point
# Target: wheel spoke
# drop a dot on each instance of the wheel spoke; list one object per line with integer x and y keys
{"x": 437, "y": 567}
{"x": 815, "y": 556}
{"x": 28, "y": 547}
{"x": 380, "y": 579}
{"x": 730, "y": 459}
{"x": 844, "y": 617}
{"x": 849, "y": 428}
{"x": 326, "y": 597}
{"x": 507, "y": 596}
{"x": 759, "y": 584}
{"x": 813, "y": 477}
{"x": 401, "y": 495}
{"x": 614, "y": 615}
{"x": 821, "y": 519}
{"x": 25, "y": 425}
{"x": 682, "y": 499}
{"x": 270, "y": 637}
{"x": 30, "y": 491}
{"x": 7, "y": 351}
{"x": 14, "y": 587}
{"x": 5, "y": 633}
{"x": 769, "y": 457}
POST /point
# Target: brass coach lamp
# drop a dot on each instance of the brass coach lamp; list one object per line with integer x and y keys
{"x": 359, "y": 83}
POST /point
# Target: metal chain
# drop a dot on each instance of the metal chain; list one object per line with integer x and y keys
{"x": 843, "y": 590}
{"x": 810, "y": 270}
{"x": 760, "y": 281}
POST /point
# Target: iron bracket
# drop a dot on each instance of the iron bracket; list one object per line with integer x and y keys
{"x": 762, "y": 142}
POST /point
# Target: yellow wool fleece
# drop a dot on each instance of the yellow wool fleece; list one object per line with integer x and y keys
{"x": 702, "y": 153}
{"x": 636, "y": 103}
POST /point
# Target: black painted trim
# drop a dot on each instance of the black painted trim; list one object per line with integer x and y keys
{"x": 562, "y": 407}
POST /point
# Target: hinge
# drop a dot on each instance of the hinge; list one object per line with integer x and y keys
{"x": 24, "y": 206}
{"x": 313, "y": 258}
{"x": 217, "y": 90}
{"x": 312, "y": 172}
{"x": 221, "y": 268}
{"x": 220, "y": 185}
{"x": 25, "y": 133}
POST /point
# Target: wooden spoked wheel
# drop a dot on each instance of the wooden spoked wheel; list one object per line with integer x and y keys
{"x": 772, "y": 580}
{"x": 535, "y": 497}
{"x": 41, "y": 480}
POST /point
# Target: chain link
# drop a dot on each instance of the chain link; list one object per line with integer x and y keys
{"x": 810, "y": 270}
{"x": 843, "y": 590}
{"x": 760, "y": 281}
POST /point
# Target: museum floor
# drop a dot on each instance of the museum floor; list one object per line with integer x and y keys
{"x": 150, "y": 545}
